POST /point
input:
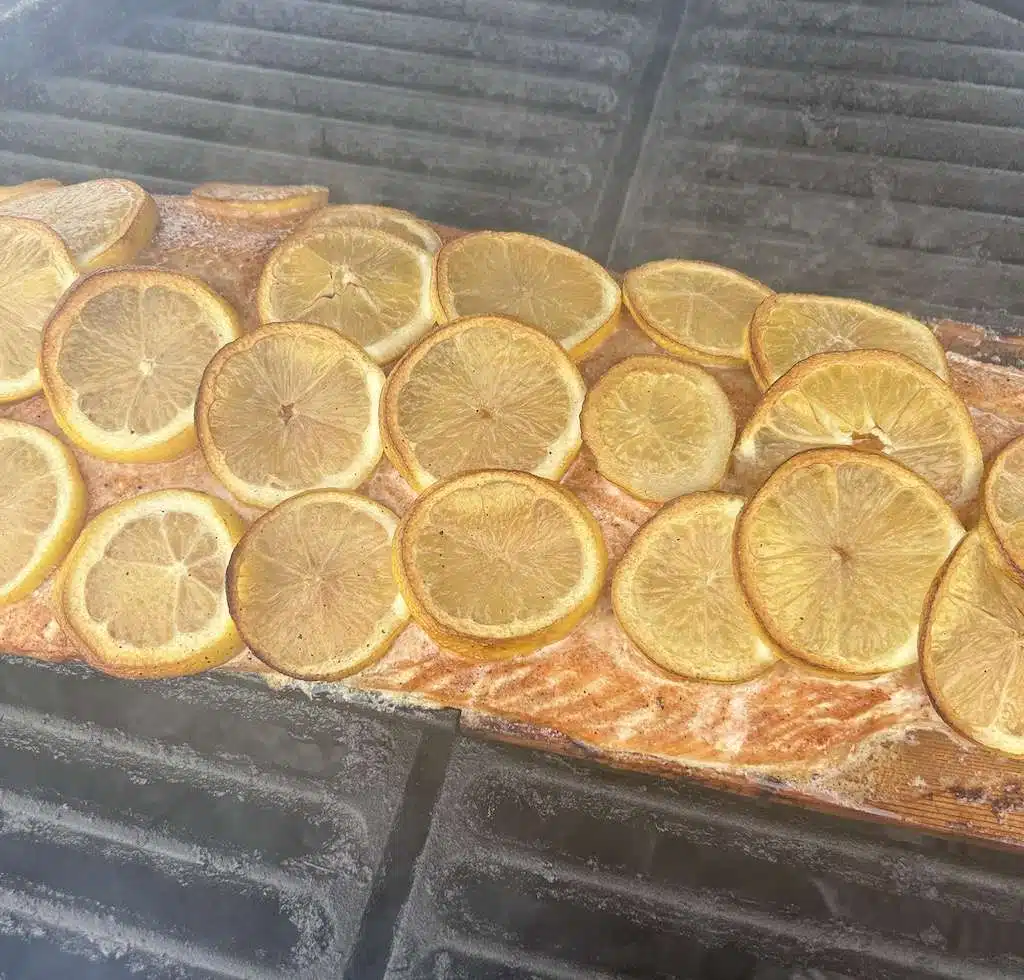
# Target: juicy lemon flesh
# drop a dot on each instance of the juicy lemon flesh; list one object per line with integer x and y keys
{"x": 557, "y": 290}
{"x": 493, "y": 395}
{"x": 144, "y": 586}
{"x": 401, "y": 224}
{"x": 90, "y": 217}
{"x": 972, "y": 649}
{"x": 8, "y": 192}
{"x": 42, "y": 506}
{"x": 837, "y": 557}
{"x": 363, "y": 283}
{"x": 35, "y": 271}
{"x": 160, "y": 577}
{"x": 501, "y": 561}
{"x": 28, "y": 505}
{"x": 294, "y": 410}
{"x": 260, "y": 193}
{"x": 659, "y": 428}
{"x": 1004, "y": 501}
{"x": 676, "y": 595}
{"x": 135, "y": 356}
{"x": 790, "y": 328}
{"x": 312, "y": 588}
{"x": 870, "y": 400}
{"x": 694, "y": 309}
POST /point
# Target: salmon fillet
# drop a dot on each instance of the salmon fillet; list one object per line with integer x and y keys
{"x": 873, "y": 745}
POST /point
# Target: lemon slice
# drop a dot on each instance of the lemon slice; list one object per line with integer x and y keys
{"x": 402, "y": 224}
{"x": 370, "y": 286}
{"x": 659, "y": 428}
{"x": 9, "y": 192}
{"x": 1003, "y": 504}
{"x": 483, "y": 393}
{"x": 836, "y": 553}
{"x": 869, "y": 399}
{"x": 143, "y": 588}
{"x": 972, "y": 659}
{"x": 496, "y": 563}
{"x": 123, "y": 356}
{"x": 35, "y": 270}
{"x": 258, "y": 200}
{"x": 311, "y": 588}
{"x": 103, "y": 222}
{"x": 788, "y": 327}
{"x": 42, "y": 506}
{"x": 548, "y": 286}
{"x": 696, "y": 310}
{"x": 676, "y": 595}
{"x": 289, "y": 407}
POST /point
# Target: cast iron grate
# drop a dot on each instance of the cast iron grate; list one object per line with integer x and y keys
{"x": 867, "y": 149}
{"x": 183, "y": 829}
{"x": 535, "y": 868}
{"x": 477, "y": 114}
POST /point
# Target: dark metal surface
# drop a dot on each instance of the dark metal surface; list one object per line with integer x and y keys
{"x": 477, "y": 115}
{"x": 871, "y": 150}
{"x": 212, "y": 828}
{"x": 539, "y": 867}
{"x": 193, "y": 828}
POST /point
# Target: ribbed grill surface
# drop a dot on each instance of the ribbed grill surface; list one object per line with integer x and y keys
{"x": 187, "y": 828}
{"x": 533, "y": 868}
{"x": 483, "y": 113}
{"x": 872, "y": 150}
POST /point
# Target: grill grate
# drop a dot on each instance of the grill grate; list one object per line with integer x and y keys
{"x": 535, "y": 868}
{"x": 174, "y": 829}
{"x": 866, "y": 150}
{"x": 479, "y": 115}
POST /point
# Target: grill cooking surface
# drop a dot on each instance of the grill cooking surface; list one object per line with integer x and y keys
{"x": 191, "y": 828}
{"x": 210, "y": 828}
{"x": 619, "y": 876}
{"x": 870, "y": 150}
{"x": 486, "y": 114}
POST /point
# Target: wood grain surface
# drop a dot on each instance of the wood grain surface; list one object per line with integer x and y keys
{"x": 873, "y": 748}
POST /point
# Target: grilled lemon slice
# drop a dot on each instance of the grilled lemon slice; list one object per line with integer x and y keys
{"x": 496, "y": 563}
{"x": 402, "y": 224}
{"x": 123, "y": 356}
{"x": 258, "y": 200}
{"x": 289, "y": 407}
{"x": 789, "y": 327}
{"x": 548, "y": 286}
{"x": 659, "y": 428}
{"x": 311, "y": 588}
{"x": 9, "y": 192}
{"x": 695, "y": 310}
{"x": 869, "y": 399}
{"x": 36, "y": 269}
{"x": 1003, "y": 504}
{"x": 143, "y": 587}
{"x": 836, "y": 553}
{"x": 676, "y": 595}
{"x": 971, "y": 658}
{"x": 42, "y": 506}
{"x": 369, "y": 285}
{"x": 483, "y": 393}
{"x": 103, "y": 222}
